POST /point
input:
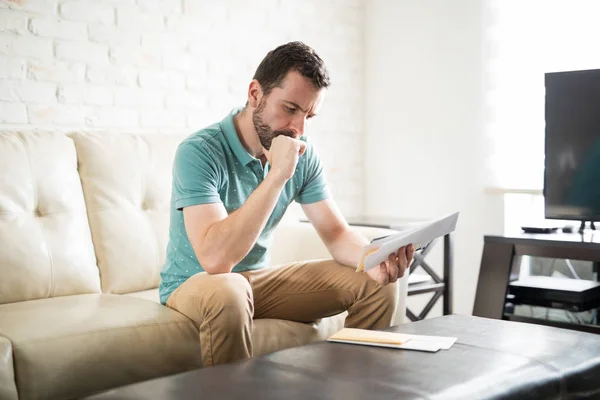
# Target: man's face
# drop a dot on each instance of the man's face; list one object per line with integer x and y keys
{"x": 286, "y": 109}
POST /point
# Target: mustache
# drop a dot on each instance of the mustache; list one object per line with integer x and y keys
{"x": 284, "y": 132}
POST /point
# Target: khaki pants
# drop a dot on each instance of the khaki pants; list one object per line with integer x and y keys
{"x": 224, "y": 305}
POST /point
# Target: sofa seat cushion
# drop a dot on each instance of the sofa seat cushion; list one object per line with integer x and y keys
{"x": 8, "y": 390}
{"x": 151, "y": 294}
{"x": 71, "y": 346}
{"x": 271, "y": 335}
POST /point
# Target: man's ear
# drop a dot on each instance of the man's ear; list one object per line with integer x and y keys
{"x": 254, "y": 93}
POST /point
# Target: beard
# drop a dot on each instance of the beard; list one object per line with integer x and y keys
{"x": 265, "y": 133}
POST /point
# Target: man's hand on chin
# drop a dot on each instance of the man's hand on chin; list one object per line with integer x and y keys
{"x": 394, "y": 268}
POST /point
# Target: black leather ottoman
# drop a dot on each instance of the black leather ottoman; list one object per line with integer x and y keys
{"x": 492, "y": 359}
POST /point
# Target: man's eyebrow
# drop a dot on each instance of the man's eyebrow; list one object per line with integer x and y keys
{"x": 298, "y": 107}
{"x": 295, "y": 105}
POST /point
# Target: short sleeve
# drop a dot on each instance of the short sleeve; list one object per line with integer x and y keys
{"x": 314, "y": 187}
{"x": 195, "y": 176}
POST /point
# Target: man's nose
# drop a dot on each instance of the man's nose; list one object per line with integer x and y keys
{"x": 299, "y": 125}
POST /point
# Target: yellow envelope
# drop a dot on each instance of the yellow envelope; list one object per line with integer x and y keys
{"x": 368, "y": 336}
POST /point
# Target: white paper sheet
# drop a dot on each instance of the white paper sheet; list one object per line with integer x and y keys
{"x": 428, "y": 347}
{"x": 420, "y": 235}
{"x": 430, "y": 344}
{"x": 443, "y": 342}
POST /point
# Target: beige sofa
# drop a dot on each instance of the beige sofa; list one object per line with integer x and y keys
{"x": 83, "y": 230}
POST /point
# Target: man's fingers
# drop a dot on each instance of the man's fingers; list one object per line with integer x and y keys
{"x": 410, "y": 254}
{"x": 402, "y": 261}
{"x": 385, "y": 269}
{"x": 393, "y": 267}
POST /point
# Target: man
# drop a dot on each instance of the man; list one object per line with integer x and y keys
{"x": 232, "y": 183}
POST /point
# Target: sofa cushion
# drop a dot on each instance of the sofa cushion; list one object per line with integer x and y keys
{"x": 8, "y": 390}
{"x": 127, "y": 186}
{"x": 271, "y": 335}
{"x": 46, "y": 244}
{"x": 150, "y": 294}
{"x": 75, "y": 345}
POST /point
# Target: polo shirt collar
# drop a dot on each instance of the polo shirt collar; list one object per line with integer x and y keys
{"x": 233, "y": 140}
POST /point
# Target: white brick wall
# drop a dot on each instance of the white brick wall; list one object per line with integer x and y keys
{"x": 26, "y": 46}
{"x": 177, "y": 66}
{"x": 11, "y": 67}
{"x": 15, "y": 22}
{"x": 89, "y": 53}
{"x": 22, "y": 91}
{"x": 58, "y": 29}
{"x": 87, "y": 11}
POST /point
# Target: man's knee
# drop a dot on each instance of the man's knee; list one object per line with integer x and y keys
{"x": 232, "y": 292}
{"x": 209, "y": 296}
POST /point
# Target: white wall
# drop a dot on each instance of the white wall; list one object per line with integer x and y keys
{"x": 400, "y": 130}
{"x": 175, "y": 66}
{"x": 424, "y": 144}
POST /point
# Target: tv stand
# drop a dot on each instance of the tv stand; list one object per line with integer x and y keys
{"x": 500, "y": 252}
{"x": 582, "y": 226}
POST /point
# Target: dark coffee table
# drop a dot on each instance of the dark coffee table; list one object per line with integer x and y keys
{"x": 491, "y": 359}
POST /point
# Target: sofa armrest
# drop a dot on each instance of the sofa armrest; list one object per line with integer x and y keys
{"x": 295, "y": 241}
{"x": 8, "y": 388}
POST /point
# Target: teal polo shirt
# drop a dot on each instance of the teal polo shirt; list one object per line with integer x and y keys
{"x": 212, "y": 166}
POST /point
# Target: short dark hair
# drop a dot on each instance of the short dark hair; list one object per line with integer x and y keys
{"x": 293, "y": 56}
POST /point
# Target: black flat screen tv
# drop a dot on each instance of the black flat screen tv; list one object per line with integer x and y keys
{"x": 572, "y": 145}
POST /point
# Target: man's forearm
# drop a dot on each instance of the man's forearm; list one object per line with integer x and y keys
{"x": 347, "y": 247}
{"x": 231, "y": 239}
